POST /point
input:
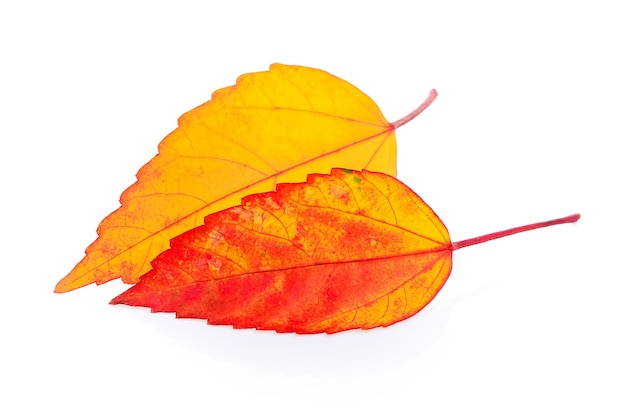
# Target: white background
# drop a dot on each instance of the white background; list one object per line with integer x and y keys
{"x": 527, "y": 127}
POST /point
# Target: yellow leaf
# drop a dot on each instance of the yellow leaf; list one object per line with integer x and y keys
{"x": 271, "y": 127}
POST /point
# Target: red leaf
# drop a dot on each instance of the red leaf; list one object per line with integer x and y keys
{"x": 341, "y": 251}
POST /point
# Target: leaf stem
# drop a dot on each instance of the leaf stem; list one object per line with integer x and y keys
{"x": 529, "y": 227}
{"x": 431, "y": 97}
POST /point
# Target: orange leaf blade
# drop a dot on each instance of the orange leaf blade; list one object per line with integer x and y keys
{"x": 341, "y": 251}
{"x": 272, "y": 127}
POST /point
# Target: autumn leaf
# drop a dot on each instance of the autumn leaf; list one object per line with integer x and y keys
{"x": 342, "y": 251}
{"x": 271, "y": 127}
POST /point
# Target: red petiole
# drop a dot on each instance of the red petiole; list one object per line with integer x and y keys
{"x": 529, "y": 227}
